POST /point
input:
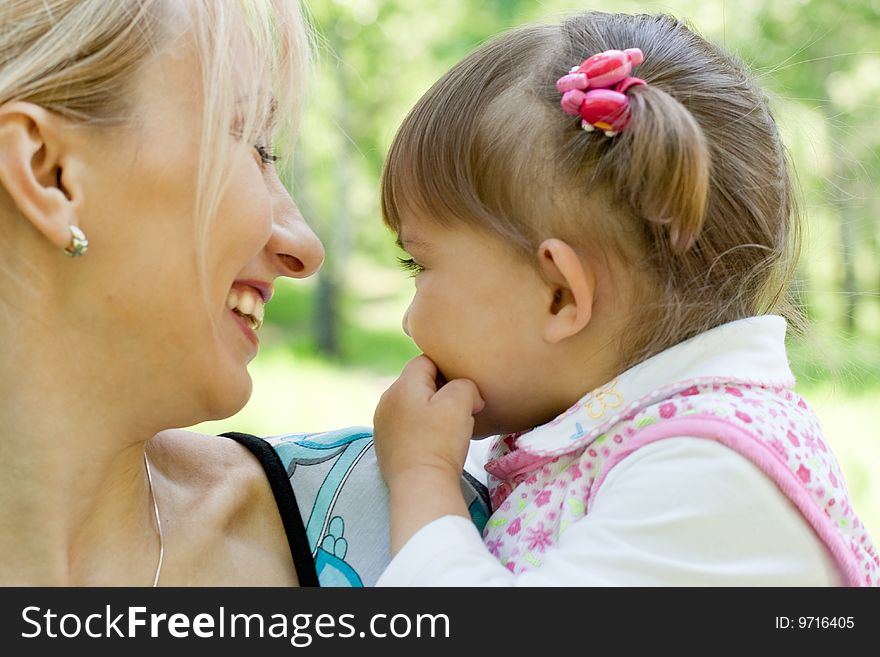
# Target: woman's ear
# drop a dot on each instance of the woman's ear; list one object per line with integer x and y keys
{"x": 32, "y": 169}
{"x": 571, "y": 289}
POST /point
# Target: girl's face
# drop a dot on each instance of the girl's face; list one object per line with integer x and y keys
{"x": 140, "y": 290}
{"x": 477, "y": 314}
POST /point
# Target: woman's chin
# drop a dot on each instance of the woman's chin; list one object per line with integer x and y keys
{"x": 235, "y": 393}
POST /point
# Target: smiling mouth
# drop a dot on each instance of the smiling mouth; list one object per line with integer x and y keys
{"x": 248, "y": 304}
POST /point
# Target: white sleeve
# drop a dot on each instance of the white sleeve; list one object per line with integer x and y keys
{"x": 682, "y": 511}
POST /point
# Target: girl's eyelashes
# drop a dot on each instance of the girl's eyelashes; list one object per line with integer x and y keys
{"x": 411, "y": 266}
{"x": 265, "y": 153}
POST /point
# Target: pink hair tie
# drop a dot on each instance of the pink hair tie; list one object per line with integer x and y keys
{"x": 596, "y": 90}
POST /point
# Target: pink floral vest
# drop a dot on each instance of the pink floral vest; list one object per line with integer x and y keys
{"x": 537, "y": 494}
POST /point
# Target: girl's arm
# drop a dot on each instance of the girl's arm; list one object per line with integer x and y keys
{"x": 422, "y": 435}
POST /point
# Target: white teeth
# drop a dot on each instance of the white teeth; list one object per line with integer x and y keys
{"x": 248, "y": 303}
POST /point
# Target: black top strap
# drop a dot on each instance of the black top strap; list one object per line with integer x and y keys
{"x": 287, "y": 506}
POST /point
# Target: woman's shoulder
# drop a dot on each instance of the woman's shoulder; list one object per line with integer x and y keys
{"x": 223, "y": 505}
{"x": 209, "y": 466}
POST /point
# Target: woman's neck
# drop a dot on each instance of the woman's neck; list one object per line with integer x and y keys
{"x": 75, "y": 505}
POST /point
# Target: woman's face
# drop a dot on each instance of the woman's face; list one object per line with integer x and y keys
{"x": 186, "y": 337}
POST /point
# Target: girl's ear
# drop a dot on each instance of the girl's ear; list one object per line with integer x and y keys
{"x": 34, "y": 171}
{"x": 571, "y": 289}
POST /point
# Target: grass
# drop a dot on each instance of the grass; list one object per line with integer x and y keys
{"x": 295, "y": 390}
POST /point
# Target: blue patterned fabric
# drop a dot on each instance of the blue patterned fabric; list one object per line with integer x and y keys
{"x": 344, "y": 502}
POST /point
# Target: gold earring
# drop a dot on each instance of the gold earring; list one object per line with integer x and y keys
{"x": 78, "y": 242}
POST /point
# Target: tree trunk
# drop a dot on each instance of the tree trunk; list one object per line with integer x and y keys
{"x": 842, "y": 199}
{"x": 338, "y": 246}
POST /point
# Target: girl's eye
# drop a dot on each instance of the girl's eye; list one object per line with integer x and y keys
{"x": 266, "y": 154}
{"x": 411, "y": 266}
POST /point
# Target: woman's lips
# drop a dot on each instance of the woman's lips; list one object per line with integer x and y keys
{"x": 245, "y": 327}
{"x": 246, "y": 302}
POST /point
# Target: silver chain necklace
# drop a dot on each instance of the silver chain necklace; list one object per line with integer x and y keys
{"x": 158, "y": 522}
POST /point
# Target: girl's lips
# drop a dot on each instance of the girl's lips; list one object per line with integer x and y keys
{"x": 249, "y": 333}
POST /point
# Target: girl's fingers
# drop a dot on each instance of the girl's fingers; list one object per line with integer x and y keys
{"x": 420, "y": 371}
{"x": 461, "y": 393}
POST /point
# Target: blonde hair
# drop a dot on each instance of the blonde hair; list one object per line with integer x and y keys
{"x": 695, "y": 195}
{"x": 79, "y": 59}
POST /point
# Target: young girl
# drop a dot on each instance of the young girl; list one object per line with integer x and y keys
{"x": 597, "y": 251}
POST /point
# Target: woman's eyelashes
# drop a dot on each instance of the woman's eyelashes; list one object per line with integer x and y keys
{"x": 267, "y": 156}
{"x": 411, "y": 266}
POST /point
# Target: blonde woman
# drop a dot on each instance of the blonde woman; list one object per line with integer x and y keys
{"x": 137, "y": 136}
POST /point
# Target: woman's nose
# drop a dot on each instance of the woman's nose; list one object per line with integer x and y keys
{"x": 295, "y": 248}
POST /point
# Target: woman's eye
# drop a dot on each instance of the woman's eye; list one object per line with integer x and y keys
{"x": 266, "y": 154}
{"x": 411, "y": 266}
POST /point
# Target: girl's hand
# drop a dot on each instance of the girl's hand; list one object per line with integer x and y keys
{"x": 419, "y": 426}
{"x": 421, "y": 438}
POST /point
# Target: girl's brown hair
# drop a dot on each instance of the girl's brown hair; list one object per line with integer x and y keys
{"x": 695, "y": 194}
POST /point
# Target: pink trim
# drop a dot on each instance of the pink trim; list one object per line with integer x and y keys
{"x": 744, "y": 443}
{"x": 515, "y": 464}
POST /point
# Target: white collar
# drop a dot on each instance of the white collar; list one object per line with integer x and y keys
{"x": 750, "y": 350}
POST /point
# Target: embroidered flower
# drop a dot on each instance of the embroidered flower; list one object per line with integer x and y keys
{"x": 494, "y": 546}
{"x": 743, "y": 416}
{"x": 733, "y": 391}
{"x": 542, "y": 498}
{"x": 667, "y": 410}
{"x": 514, "y": 527}
{"x": 833, "y": 479}
{"x": 804, "y": 473}
{"x": 690, "y": 392}
{"x": 538, "y": 538}
{"x": 793, "y": 439}
{"x": 601, "y": 399}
